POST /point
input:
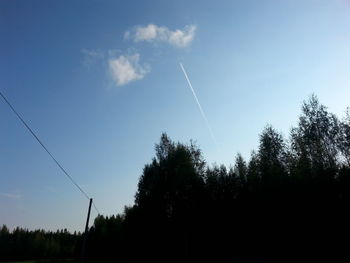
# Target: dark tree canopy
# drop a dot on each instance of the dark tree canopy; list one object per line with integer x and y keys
{"x": 290, "y": 198}
{"x": 22, "y": 244}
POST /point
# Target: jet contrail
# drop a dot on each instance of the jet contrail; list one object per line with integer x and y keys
{"x": 199, "y": 105}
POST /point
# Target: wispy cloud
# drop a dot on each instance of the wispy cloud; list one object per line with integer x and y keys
{"x": 153, "y": 33}
{"x": 127, "y": 68}
{"x": 91, "y": 56}
{"x": 11, "y": 195}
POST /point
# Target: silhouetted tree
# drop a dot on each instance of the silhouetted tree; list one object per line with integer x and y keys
{"x": 272, "y": 156}
{"x": 291, "y": 197}
{"x": 22, "y": 244}
{"x": 314, "y": 140}
{"x": 343, "y": 138}
{"x": 241, "y": 168}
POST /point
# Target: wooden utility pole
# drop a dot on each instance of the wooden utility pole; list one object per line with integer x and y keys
{"x": 83, "y": 249}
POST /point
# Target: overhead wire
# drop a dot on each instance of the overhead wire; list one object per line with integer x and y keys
{"x": 46, "y": 149}
{"x": 93, "y": 203}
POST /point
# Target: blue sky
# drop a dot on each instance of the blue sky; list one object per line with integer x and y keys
{"x": 99, "y": 81}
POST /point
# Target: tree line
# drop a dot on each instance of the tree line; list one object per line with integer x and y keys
{"x": 23, "y": 244}
{"x": 290, "y": 197}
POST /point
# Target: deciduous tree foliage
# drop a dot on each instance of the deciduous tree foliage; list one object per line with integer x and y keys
{"x": 22, "y": 244}
{"x": 291, "y": 197}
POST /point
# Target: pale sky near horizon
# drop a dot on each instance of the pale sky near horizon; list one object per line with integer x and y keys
{"x": 99, "y": 81}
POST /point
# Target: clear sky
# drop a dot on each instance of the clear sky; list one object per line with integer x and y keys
{"x": 99, "y": 81}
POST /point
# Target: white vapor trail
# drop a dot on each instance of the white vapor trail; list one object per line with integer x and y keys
{"x": 199, "y": 105}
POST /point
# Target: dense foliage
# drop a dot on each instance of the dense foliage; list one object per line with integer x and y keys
{"x": 292, "y": 196}
{"x": 22, "y": 244}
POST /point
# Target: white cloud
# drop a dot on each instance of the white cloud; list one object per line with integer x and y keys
{"x": 11, "y": 195}
{"x": 125, "y": 69}
{"x": 182, "y": 38}
{"x": 91, "y": 56}
{"x": 147, "y": 33}
{"x": 92, "y": 53}
{"x": 126, "y": 34}
{"x": 151, "y": 33}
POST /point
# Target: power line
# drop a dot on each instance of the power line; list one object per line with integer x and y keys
{"x": 42, "y": 144}
{"x": 98, "y": 212}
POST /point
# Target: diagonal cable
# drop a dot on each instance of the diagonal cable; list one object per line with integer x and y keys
{"x": 98, "y": 212}
{"x": 42, "y": 144}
